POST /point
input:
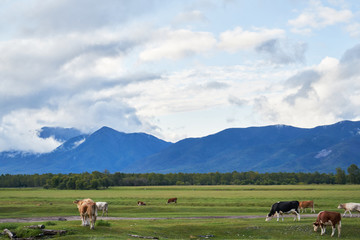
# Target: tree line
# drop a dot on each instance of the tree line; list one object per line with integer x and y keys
{"x": 100, "y": 180}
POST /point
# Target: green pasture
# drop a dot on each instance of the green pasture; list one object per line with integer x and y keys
{"x": 193, "y": 201}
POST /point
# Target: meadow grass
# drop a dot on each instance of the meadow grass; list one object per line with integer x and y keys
{"x": 192, "y": 201}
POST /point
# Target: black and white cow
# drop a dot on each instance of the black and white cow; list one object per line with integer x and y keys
{"x": 284, "y": 207}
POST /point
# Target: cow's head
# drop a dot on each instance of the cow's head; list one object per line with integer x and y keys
{"x": 269, "y": 217}
{"x": 316, "y": 226}
{"x": 341, "y": 206}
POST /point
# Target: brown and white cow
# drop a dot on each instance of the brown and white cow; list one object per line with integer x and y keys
{"x": 303, "y": 205}
{"x": 87, "y": 209}
{"x": 171, "y": 200}
{"x": 140, "y": 203}
{"x": 349, "y": 207}
{"x": 328, "y": 218}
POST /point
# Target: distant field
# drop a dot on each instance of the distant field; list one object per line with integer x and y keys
{"x": 192, "y": 201}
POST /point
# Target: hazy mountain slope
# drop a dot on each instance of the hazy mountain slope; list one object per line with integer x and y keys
{"x": 104, "y": 149}
{"x": 271, "y": 148}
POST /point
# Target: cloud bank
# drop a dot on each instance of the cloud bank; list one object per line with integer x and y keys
{"x": 169, "y": 69}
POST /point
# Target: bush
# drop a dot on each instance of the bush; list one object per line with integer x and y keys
{"x": 22, "y": 232}
{"x": 49, "y": 223}
{"x": 103, "y": 223}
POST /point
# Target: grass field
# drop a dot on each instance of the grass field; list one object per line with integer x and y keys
{"x": 192, "y": 201}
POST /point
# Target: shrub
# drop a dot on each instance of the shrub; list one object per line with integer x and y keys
{"x": 102, "y": 223}
{"x": 49, "y": 223}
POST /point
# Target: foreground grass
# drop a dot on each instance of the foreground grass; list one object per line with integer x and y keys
{"x": 192, "y": 201}
{"x": 194, "y": 229}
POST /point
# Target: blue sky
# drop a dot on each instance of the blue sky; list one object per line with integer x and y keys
{"x": 175, "y": 69}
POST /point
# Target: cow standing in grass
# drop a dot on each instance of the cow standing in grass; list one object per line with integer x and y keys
{"x": 280, "y": 208}
{"x": 328, "y": 218}
{"x": 102, "y": 206}
{"x": 87, "y": 209}
{"x": 306, "y": 204}
{"x": 349, "y": 207}
{"x": 171, "y": 200}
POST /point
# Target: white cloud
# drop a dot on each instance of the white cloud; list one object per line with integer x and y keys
{"x": 189, "y": 17}
{"x": 318, "y": 16}
{"x": 353, "y": 29}
{"x": 18, "y": 131}
{"x": 283, "y": 51}
{"x": 176, "y": 44}
{"x": 239, "y": 39}
{"x": 46, "y": 18}
{"x": 318, "y": 95}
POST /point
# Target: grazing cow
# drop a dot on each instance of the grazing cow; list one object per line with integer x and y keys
{"x": 87, "y": 209}
{"x": 328, "y": 218}
{"x": 172, "y": 200}
{"x": 102, "y": 206}
{"x": 140, "y": 203}
{"x": 284, "y": 207}
{"x": 349, "y": 207}
{"x": 306, "y": 204}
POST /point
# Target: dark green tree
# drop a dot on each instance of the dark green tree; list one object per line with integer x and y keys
{"x": 354, "y": 174}
{"x": 340, "y": 176}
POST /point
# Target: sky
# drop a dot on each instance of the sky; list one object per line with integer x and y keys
{"x": 175, "y": 69}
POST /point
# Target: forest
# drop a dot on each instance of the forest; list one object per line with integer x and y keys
{"x": 101, "y": 180}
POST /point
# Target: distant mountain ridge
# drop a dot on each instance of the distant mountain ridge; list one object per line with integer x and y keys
{"x": 264, "y": 149}
{"x": 103, "y": 149}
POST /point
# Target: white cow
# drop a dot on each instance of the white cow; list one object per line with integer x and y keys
{"x": 102, "y": 206}
{"x": 349, "y": 207}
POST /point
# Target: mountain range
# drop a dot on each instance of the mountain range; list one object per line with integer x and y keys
{"x": 276, "y": 148}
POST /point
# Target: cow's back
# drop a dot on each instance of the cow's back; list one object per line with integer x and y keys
{"x": 286, "y": 206}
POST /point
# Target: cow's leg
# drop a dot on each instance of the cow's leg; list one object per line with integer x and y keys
{"x": 350, "y": 213}
{"x": 332, "y": 230}
{"x": 93, "y": 220}
{"x": 277, "y": 215}
{"x": 83, "y": 220}
{"x": 323, "y": 229}
{"x": 339, "y": 229}
{"x": 297, "y": 215}
{"x": 87, "y": 217}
